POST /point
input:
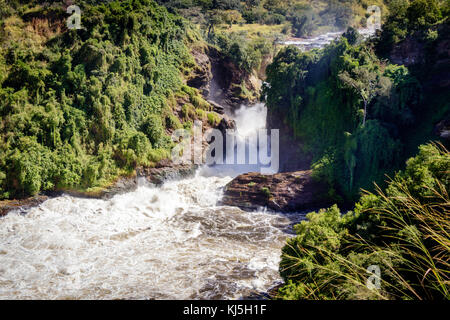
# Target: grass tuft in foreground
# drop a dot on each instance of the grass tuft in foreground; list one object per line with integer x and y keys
{"x": 404, "y": 230}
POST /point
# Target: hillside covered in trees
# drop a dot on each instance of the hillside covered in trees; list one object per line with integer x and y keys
{"x": 81, "y": 107}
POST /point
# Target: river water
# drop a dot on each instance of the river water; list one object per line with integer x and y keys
{"x": 320, "y": 41}
{"x": 171, "y": 242}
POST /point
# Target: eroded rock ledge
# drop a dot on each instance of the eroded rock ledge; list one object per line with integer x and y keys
{"x": 24, "y": 204}
{"x": 285, "y": 192}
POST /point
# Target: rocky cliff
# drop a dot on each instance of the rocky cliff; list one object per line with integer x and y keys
{"x": 428, "y": 51}
{"x": 229, "y": 85}
{"x": 292, "y": 158}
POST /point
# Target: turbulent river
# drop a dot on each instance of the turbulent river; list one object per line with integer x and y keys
{"x": 322, "y": 40}
{"x": 171, "y": 242}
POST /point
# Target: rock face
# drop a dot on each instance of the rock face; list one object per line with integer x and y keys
{"x": 291, "y": 156}
{"x": 227, "y": 80}
{"x": 201, "y": 75}
{"x": 433, "y": 56}
{"x": 220, "y": 80}
{"x": 408, "y": 52}
{"x": 442, "y": 129}
{"x": 285, "y": 192}
{"x": 162, "y": 173}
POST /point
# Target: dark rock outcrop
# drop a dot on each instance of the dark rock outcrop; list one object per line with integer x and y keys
{"x": 408, "y": 52}
{"x": 285, "y": 192}
{"x": 23, "y": 204}
{"x": 226, "y": 124}
{"x": 163, "y": 171}
{"x": 227, "y": 80}
{"x": 220, "y": 81}
{"x": 201, "y": 75}
{"x": 122, "y": 185}
{"x": 292, "y": 158}
{"x": 160, "y": 174}
{"x": 432, "y": 56}
{"x": 442, "y": 129}
{"x": 217, "y": 107}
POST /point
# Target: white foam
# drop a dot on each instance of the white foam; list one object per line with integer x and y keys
{"x": 325, "y": 39}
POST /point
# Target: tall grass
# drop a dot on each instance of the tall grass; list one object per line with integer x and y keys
{"x": 405, "y": 230}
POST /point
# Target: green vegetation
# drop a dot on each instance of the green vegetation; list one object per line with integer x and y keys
{"x": 409, "y": 18}
{"x": 247, "y": 32}
{"x": 81, "y": 107}
{"x": 246, "y": 54}
{"x": 404, "y": 231}
{"x": 266, "y": 192}
{"x": 213, "y": 118}
{"x": 359, "y": 116}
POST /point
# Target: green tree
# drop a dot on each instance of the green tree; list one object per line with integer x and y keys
{"x": 366, "y": 83}
{"x": 423, "y": 13}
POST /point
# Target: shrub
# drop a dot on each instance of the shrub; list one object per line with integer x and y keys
{"x": 403, "y": 230}
{"x": 213, "y": 119}
{"x": 172, "y": 122}
{"x": 79, "y": 108}
{"x": 154, "y": 129}
{"x": 266, "y": 192}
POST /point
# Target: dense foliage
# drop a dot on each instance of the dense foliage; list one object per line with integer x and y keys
{"x": 359, "y": 116}
{"x": 80, "y": 107}
{"x": 404, "y": 231}
{"x": 410, "y": 17}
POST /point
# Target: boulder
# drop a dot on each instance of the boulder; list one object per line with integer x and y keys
{"x": 291, "y": 147}
{"x": 285, "y": 192}
{"x": 217, "y": 107}
{"x": 159, "y": 174}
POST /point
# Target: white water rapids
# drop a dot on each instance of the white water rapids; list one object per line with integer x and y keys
{"x": 172, "y": 242}
{"x": 322, "y": 40}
